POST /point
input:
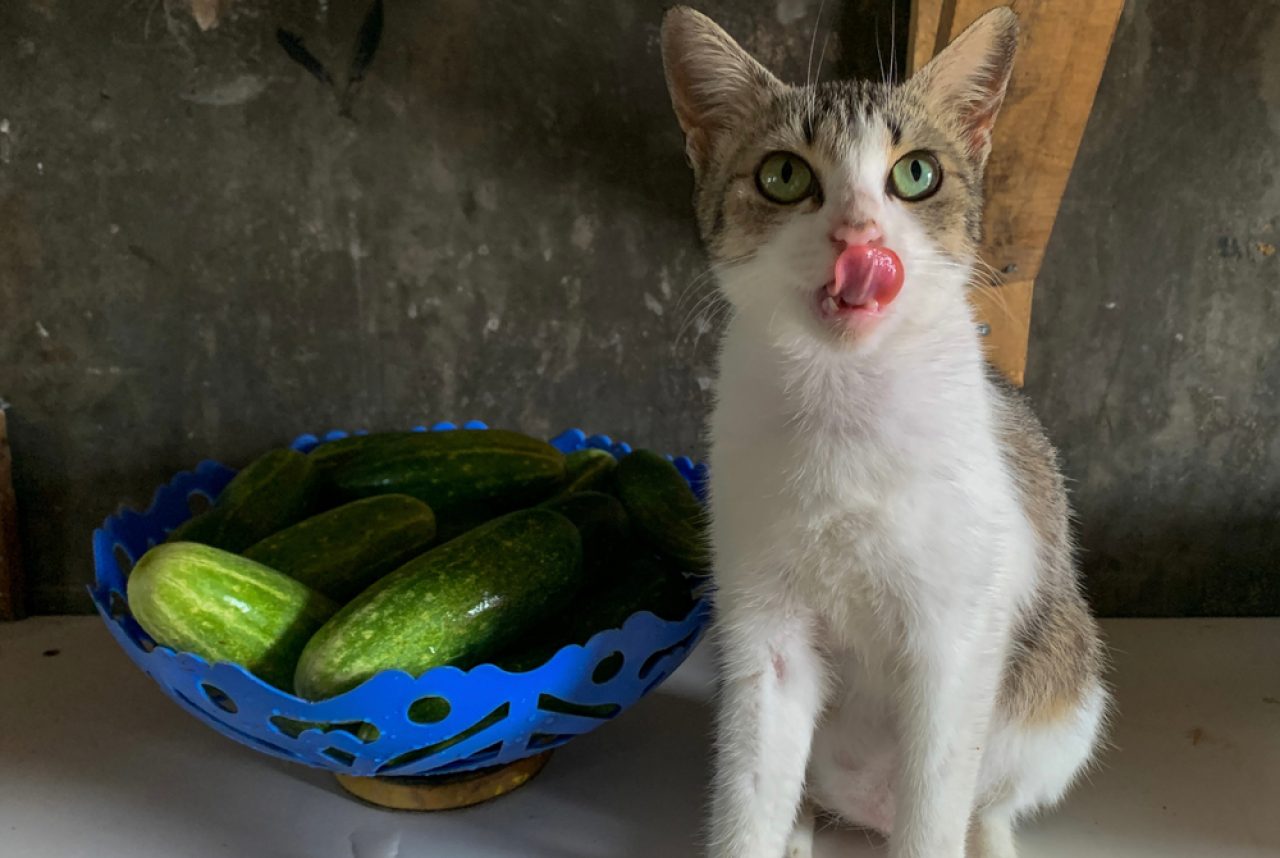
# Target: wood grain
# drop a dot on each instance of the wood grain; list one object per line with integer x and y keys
{"x": 11, "y": 580}
{"x": 1006, "y": 311}
{"x": 1062, "y": 51}
{"x": 930, "y": 23}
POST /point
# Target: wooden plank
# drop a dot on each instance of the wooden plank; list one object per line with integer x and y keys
{"x": 1063, "y": 50}
{"x": 926, "y": 29}
{"x": 12, "y": 603}
{"x": 1006, "y": 312}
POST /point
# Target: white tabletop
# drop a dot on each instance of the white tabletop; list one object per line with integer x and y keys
{"x": 95, "y": 761}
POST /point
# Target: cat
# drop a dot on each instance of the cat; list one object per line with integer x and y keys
{"x": 903, "y": 640}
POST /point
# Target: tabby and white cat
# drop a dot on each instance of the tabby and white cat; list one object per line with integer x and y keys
{"x": 904, "y": 643}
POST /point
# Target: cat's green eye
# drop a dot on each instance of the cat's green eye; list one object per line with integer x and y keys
{"x": 915, "y": 176}
{"x": 785, "y": 178}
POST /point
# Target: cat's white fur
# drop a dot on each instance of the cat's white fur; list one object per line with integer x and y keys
{"x": 871, "y": 557}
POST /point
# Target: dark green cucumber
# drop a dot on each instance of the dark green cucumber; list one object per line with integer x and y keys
{"x": 589, "y": 469}
{"x": 344, "y": 550}
{"x": 465, "y": 476}
{"x": 224, "y": 607}
{"x": 458, "y": 604}
{"x": 461, "y": 519}
{"x": 663, "y": 508}
{"x": 650, "y": 585}
{"x": 269, "y": 494}
{"x": 606, "y": 534}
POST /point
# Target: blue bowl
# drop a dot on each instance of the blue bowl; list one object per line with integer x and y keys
{"x": 494, "y": 717}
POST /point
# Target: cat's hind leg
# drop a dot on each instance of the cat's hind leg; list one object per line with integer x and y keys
{"x": 991, "y": 834}
{"x": 1031, "y": 766}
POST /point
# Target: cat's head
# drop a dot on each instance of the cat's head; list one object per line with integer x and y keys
{"x": 843, "y": 210}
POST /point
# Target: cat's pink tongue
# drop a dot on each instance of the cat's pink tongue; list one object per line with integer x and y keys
{"x": 868, "y": 277}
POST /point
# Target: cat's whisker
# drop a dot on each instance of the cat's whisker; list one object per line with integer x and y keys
{"x": 692, "y": 290}
{"x": 981, "y": 277}
{"x": 822, "y": 56}
{"x": 994, "y": 276}
{"x": 692, "y": 287}
{"x": 694, "y": 300}
{"x": 982, "y": 263}
{"x": 813, "y": 40}
{"x": 879, "y": 57}
{"x": 969, "y": 273}
{"x": 893, "y": 41}
{"x": 810, "y": 82}
{"x": 706, "y": 307}
{"x": 711, "y": 306}
{"x": 998, "y": 297}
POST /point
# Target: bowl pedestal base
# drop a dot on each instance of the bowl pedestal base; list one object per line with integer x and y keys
{"x": 444, "y": 792}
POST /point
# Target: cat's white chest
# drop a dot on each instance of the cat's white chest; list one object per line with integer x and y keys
{"x": 844, "y": 531}
{"x": 873, "y": 509}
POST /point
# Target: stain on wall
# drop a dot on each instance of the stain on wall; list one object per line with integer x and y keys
{"x": 205, "y": 251}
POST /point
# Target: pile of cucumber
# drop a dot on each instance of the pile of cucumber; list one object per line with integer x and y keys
{"x": 414, "y": 550}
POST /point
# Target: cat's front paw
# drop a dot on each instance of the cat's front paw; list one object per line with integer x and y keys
{"x": 800, "y": 843}
{"x": 800, "y": 846}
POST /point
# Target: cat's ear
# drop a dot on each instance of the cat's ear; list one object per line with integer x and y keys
{"x": 967, "y": 80}
{"x": 714, "y": 83}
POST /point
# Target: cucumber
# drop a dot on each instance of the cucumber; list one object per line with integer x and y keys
{"x": 457, "y": 604}
{"x": 223, "y": 607}
{"x": 589, "y": 469}
{"x": 461, "y": 519}
{"x": 664, "y": 509}
{"x": 606, "y": 534}
{"x": 650, "y": 585}
{"x": 269, "y": 494}
{"x": 344, "y": 550}
{"x": 465, "y": 476}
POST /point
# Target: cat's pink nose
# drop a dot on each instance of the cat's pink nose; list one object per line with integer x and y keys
{"x": 862, "y": 232}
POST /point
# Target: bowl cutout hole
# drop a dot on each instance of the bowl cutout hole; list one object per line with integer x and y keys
{"x": 119, "y": 607}
{"x": 289, "y": 726}
{"x": 123, "y": 560}
{"x": 542, "y": 741}
{"x": 219, "y": 698}
{"x": 339, "y": 756}
{"x": 465, "y": 766}
{"x": 607, "y": 668}
{"x": 414, "y": 756}
{"x": 199, "y": 503}
{"x": 603, "y": 711}
{"x": 652, "y": 661}
{"x": 429, "y": 710}
{"x": 484, "y": 754}
{"x": 361, "y": 730}
{"x": 293, "y": 728}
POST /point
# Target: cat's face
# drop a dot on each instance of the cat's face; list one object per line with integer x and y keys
{"x": 842, "y": 210}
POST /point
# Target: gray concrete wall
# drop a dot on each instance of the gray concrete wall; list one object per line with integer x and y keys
{"x": 200, "y": 255}
{"x": 1154, "y": 345}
